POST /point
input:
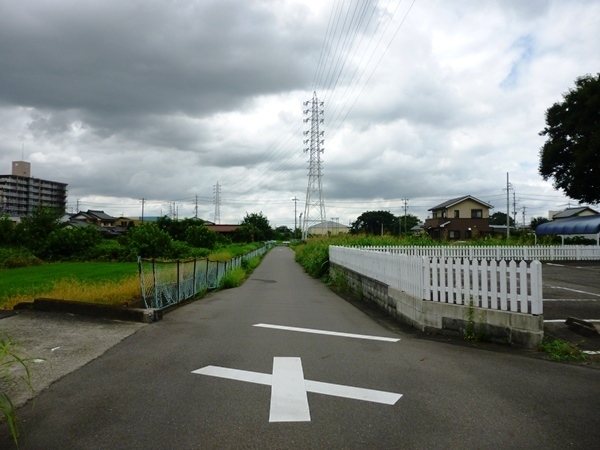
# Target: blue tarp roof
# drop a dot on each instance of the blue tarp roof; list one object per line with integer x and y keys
{"x": 572, "y": 225}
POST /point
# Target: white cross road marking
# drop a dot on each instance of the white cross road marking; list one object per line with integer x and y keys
{"x": 329, "y": 333}
{"x": 289, "y": 402}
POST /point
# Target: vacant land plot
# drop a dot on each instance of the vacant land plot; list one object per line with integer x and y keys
{"x": 112, "y": 282}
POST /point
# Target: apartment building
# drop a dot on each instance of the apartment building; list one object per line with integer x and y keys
{"x": 20, "y": 193}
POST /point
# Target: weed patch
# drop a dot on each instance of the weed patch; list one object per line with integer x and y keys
{"x": 11, "y": 359}
{"x": 233, "y": 279}
{"x": 562, "y": 351}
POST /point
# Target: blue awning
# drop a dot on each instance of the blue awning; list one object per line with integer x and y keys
{"x": 573, "y": 225}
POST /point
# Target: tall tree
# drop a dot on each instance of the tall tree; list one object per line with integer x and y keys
{"x": 499, "y": 218}
{"x": 375, "y": 222}
{"x": 262, "y": 231}
{"x": 571, "y": 153}
{"x": 405, "y": 223}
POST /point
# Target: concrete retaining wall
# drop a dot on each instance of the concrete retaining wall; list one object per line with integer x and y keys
{"x": 522, "y": 330}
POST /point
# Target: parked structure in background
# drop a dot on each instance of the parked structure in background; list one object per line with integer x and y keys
{"x": 459, "y": 218}
{"x": 20, "y": 193}
{"x": 329, "y": 227}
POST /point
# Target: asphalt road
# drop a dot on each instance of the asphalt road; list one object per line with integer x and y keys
{"x": 143, "y": 392}
{"x": 571, "y": 289}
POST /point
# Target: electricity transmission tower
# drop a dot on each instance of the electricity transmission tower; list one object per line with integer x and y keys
{"x": 314, "y": 209}
{"x": 217, "y": 202}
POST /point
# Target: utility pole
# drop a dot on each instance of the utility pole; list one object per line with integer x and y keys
{"x": 405, "y": 200}
{"x": 515, "y": 208}
{"x": 508, "y": 188}
{"x": 196, "y": 208}
{"x": 314, "y": 208}
{"x": 217, "y": 202}
{"x": 295, "y": 200}
{"x": 143, "y": 202}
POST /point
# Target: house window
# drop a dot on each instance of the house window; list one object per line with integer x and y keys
{"x": 453, "y": 234}
{"x": 476, "y": 213}
{"x": 434, "y": 215}
{"x": 468, "y": 234}
{"x": 443, "y": 214}
{"x": 456, "y": 213}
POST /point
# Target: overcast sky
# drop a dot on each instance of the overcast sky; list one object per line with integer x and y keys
{"x": 157, "y": 100}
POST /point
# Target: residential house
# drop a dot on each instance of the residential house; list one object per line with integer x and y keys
{"x": 459, "y": 218}
{"x": 107, "y": 225}
{"x": 573, "y": 212}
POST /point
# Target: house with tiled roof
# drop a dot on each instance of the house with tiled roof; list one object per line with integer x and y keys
{"x": 574, "y": 212}
{"x": 459, "y": 218}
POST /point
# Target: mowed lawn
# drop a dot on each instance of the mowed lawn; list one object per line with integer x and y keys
{"x": 26, "y": 283}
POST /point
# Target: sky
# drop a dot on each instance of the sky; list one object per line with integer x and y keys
{"x": 152, "y": 104}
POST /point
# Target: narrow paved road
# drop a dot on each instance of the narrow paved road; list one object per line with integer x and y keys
{"x": 208, "y": 377}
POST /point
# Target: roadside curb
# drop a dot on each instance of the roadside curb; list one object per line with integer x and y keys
{"x": 92, "y": 309}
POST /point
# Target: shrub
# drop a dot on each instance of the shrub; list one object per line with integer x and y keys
{"x": 147, "y": 241}
{"x": 71, "y": 242}
{"x": 200, "y": 236}
{"x": 12, "y": 258}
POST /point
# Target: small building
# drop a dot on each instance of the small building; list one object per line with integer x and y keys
{"x": 459, "y": 218}
{"x": 107, "y": 225}
{"x": 573, "y": 212}
{"x": 20, "y": 193}
{"x": 328, "y": 228}
{"x": 223, "y": 229}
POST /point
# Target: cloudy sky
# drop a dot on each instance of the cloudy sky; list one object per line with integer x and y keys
{"x": 424, "y": 100}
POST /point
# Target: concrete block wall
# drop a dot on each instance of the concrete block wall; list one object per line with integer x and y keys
{"x": 522, "y": 330}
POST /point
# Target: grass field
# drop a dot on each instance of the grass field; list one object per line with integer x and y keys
{"x": 112, "y": 283}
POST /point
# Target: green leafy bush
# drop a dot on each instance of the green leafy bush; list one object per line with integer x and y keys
{"x": 200, "y": 236}
{"x": 66, "y": 243}
{"x": 12, "y": 258}
{"x": 147, "y": 241}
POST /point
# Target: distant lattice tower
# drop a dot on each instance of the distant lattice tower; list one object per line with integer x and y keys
{"x": 314, "y": 209}
{"x": 217, "y": 202}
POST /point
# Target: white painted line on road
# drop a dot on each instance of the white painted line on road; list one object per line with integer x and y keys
{"x": 590, "y": 352}
{"x": 574, "y": 290}
{"x": 557, "y": 265}
{"x": 289, "y": 402}
{"x": 233, "y": 374}
{"x": 337, "y": 390}
{"x": 329, "y": 333}
{"x": 572, "y": 299}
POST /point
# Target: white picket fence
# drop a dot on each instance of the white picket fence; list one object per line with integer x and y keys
{"x": 505, "y": 286}
{"x": 540, "y": 253}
